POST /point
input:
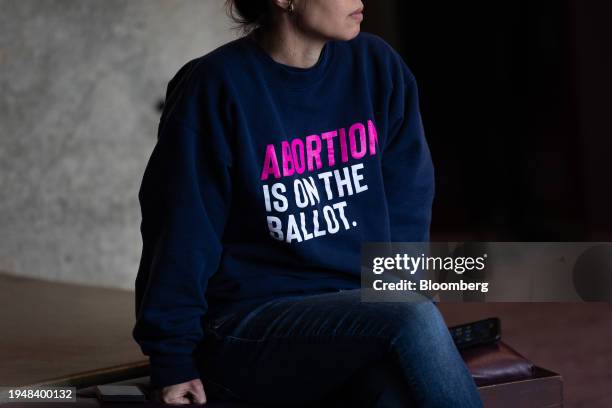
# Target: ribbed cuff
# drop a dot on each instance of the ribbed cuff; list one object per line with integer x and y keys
{"x": 172, "y": 369}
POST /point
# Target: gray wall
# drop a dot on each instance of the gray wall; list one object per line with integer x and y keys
{"x": 79, "y": 80}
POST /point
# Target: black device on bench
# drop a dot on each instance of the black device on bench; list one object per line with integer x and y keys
{"x": 120, "y": 393}
{"x": 477, "y": 333}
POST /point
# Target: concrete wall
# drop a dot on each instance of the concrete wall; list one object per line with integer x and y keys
{"x": 79, "y": 82}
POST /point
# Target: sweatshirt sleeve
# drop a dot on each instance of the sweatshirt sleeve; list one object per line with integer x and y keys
{"x": 407, "y": 164}
{"x": 184, "y": 196}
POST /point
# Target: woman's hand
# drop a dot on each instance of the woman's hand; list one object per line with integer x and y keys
{"x": 191, "y": 392}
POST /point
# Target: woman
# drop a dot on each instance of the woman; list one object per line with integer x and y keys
{"x": 278, "y": 154}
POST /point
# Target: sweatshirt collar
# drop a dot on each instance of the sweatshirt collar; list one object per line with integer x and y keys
{"x": 290, "y": 76}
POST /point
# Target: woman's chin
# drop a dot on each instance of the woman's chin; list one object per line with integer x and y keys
{"x": 351, "y": 33}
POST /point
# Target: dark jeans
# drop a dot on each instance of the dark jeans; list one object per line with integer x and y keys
{"x": 334, "y": 350}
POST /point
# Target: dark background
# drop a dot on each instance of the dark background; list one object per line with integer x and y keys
{"x": 515, "y": 97}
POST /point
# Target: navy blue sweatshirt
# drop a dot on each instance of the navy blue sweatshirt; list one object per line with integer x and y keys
{"x": 266, "y": 179}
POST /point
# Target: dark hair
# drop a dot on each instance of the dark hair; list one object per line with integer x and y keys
{"x": 248, "y": 14}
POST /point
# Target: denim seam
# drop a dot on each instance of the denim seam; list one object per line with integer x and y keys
{"x": 393, "y": 348}
{"x": 335, "y": 336}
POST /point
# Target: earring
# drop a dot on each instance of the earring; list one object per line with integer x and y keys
{"x": 291, "y": 7}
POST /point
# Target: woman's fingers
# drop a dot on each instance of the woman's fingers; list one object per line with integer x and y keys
{"x": 197, "y": 390}
{"x": 191, "y": 392}
{"x": 177, "y": 401}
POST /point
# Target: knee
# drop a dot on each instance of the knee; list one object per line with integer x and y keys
{"x": 419, "y": 321}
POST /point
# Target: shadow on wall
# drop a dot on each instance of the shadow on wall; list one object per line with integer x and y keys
{"x": 79, "y": 82}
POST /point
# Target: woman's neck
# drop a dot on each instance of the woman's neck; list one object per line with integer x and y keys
{"x": 288, "y": 46}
